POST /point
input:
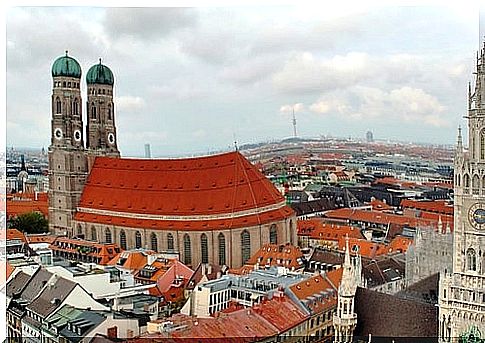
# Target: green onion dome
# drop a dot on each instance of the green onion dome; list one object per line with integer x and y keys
{"x": 66, "y": 66}
{"x": 100, "y": 74}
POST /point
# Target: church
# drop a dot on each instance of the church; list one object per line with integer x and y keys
{"x": 216, "y": 209}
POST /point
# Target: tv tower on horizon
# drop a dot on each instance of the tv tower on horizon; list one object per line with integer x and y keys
{"x": 294, "y": 123}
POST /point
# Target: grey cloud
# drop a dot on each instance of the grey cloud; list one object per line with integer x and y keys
{"x": 147, "y": 23}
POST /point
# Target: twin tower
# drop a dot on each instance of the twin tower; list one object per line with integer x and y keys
{"x": 74, "y": 148}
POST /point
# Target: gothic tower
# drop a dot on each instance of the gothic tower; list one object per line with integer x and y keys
{"x": 462, "y": 290}
{"x": 345, "y": 320}
{"x": 101, "y": 129}
{"x": 67, "y": 159}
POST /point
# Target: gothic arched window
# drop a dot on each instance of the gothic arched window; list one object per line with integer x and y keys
{"x": 58, "y": 106}
{"x": 245, "y": 246}
{"x": 273, "y": 234}
{"x": 170, "y": 242}
{"x": 482, "y": 144}
{"x": 187, "y": 250}
{"x": 471, "y": 259}
{"x": 466, "y": 181}
{"x": 75, "y": 107}
{"x": 154, "y": 241}
{"x": 222, "y": 249}
{"x": 137, "y": 240}
{"x": 110, "y": 115}
{"x": 93, "y": 111}
{"x": 107, "y": 236}
{"x": 204, "y": 248}
{"x": 475, "y": 182}
{"x": 123, "y": 239}
{"x": 93, "y": 234}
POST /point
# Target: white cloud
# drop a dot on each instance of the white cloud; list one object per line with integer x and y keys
{"x": 306, "y": 73}
{"x": 285, "y": 109}
{"x": 407, "y": 104}
{"x": 129, "y": 103}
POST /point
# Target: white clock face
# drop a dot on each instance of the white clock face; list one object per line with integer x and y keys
{"x": 111, "y": 138}
{"x": 58, "y": 133}
{"x": 77, "y": 136}
{"x": 476, "y": 216}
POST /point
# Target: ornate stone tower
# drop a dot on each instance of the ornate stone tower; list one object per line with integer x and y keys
{"x": 67, "y": 159}
{"x": 101, "y": 128}
{"x": 345, "y": 320}
{"x": 462, "y": 290}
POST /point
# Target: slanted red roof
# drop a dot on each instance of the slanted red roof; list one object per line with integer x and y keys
{"x": 288, "y": 256}
{"x": 315, "y": 228}
{"x": 200, "y": 193}
{"x": 16, "y": 234}
{"x": 316, "y": 292}
{"x": 435, "y": 206}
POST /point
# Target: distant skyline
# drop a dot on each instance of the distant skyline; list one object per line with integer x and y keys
{"x": 191, "y": 80}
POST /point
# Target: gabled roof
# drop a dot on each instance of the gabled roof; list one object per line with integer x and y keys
{"x": 316, "y": 293}
{"x": 16, "y": 234}
{"x": 156, "y": 192}
{"x": 317, "y": 229}
{"x": 55, "y": 292}
{"x": 36, "y": 284}
{"x": 17, "y": 284}
{"x": 133, "y": 260}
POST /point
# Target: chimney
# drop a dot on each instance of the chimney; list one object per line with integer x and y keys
{"x": 112, "y": 332}
{"x": 209, "y": 269}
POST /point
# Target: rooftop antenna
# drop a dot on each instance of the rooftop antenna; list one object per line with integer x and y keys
{"x": 294, "y": 123}
{"x": 235, "y": 142}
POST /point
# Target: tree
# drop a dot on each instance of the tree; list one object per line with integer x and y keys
{"x": 32, "y": 222}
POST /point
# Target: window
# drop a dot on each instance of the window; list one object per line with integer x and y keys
{"x": 93, "y": 111}
{"x": 107, "y": 236}
{"x": 475, "y": 182}
{"x": 204, "y": 248}
{"x": 187, "y": 250}
{"x": 122, "y": 240}
{"x": 58, "y": 106}
{"x": 471, "y": 259}
{"x": 110, "y": 117}
{"x": 79, "y": 230}
{"x": 154, "y": 241}
{"x": 75, "y": 107}
{"x": 94, "y": 237}
{"x": 222, "y": 249}
{"x": 466, "y": 181}
{"x": 137, "y": 240}
{"x": 245, "y": 246}
{"x": 482, "y": 144}
{"x": 273, "y": 234}
{"x": 170, "y": 241}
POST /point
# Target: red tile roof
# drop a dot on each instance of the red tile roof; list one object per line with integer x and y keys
{"x": 41, "y": 238}
{"x": 18, "y": 207}
{"x": 192, "y": 193}
{"x": 436, "y": 206}
{"x": 312, "y": 287}
{"x": 105, "y": 252}
{"x": 317, "y": 229}
{"x": 132, "y": 260}
{"x": 16, "y": 234}
{"x": 288, "y": 256}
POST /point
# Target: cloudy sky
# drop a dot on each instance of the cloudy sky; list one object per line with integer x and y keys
{"x": 190, "y": 80}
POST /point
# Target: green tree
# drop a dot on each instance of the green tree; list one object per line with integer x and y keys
{"x": 32, "y": 222}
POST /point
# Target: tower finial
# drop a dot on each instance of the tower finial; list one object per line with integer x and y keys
{"x": 459, "y": 142}
{"x": 100, "y": 60}
{"x": 347, "y": 252}
{"x": 66, "y": 52}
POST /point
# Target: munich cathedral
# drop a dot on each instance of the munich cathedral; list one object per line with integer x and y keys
{"x": 462, "y": 289}
{"x": 217, "y": 209}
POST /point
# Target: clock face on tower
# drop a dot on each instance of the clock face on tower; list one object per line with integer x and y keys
{"x": 111, "y": 138}
{"x": 476, "y": 216}
{"x": 58, "y": 133}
